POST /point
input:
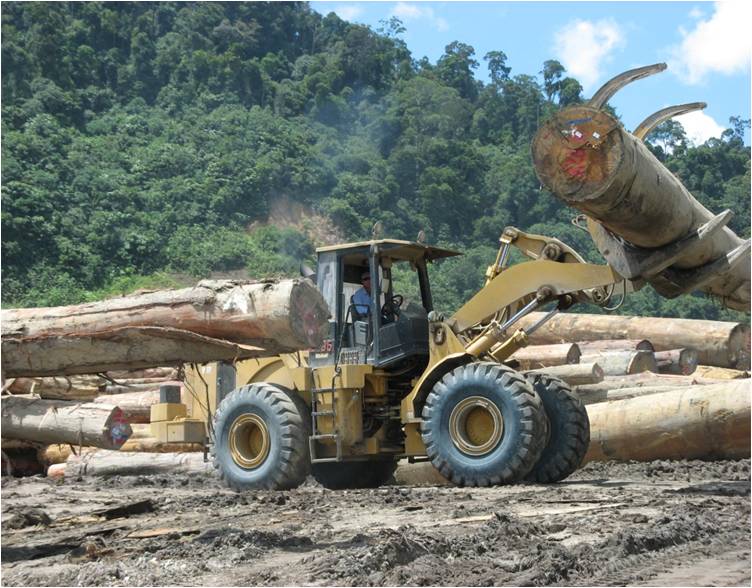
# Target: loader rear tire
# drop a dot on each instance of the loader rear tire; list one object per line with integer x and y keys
{"x": 261, "y": 439}
{"x": 346, "y": 475}
{"x": 569, "y": 430}
{"x": 483, "y": 425}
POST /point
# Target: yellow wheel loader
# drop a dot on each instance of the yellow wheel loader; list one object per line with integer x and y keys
{"x": 396, "y": 379}
{"x": 403, "y": 381}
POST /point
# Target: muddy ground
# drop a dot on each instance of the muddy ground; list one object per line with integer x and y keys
{"x": 658, "y": 524}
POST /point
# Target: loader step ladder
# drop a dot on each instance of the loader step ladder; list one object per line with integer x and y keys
{"x": 315, "y": 434}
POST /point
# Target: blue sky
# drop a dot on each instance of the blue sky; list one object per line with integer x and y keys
{"x": 707, "y": 46}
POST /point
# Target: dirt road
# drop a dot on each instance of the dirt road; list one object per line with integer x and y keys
{"x": 661, "y": 523}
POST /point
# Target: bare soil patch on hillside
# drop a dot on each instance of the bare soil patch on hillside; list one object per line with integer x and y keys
{"x": 660, "y": 523}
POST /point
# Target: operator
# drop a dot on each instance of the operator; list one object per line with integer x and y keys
{"x": 362, "y": 298}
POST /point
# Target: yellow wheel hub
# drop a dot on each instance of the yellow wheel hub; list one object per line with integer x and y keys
{"x": 249, "y": 441}
{"x": 476, "y": 425}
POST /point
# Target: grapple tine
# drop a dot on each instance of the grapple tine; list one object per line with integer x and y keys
{"x": 615, "y": 84}
{"x": 644, "y": 128}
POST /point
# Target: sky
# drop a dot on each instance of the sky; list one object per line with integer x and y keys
{"x": 707, "y": 47}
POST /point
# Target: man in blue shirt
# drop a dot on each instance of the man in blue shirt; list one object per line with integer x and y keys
{"x": 362, "y": 298}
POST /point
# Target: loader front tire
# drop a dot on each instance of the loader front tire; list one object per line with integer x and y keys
{"x": 569, "y": 430}
{"x": 483, "y": 425}
{"x": 346, "y": 475}
{"x": 261, "y": 439}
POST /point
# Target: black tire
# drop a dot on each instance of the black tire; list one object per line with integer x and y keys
{"x": 280, "y": 420}
{"x": 569, "y": 430}
{"x": 510, "y": 451}
{"x": 346, "y": 475}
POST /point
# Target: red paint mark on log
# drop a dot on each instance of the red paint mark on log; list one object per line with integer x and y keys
{"x": 576, "y": 163}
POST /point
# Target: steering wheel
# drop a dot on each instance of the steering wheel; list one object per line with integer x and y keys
{"x": 390, "y": 310}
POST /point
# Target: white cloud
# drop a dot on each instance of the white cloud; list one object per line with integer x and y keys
{"x": 407, "y": 11}
{"x": 720, "y": 44}
{"x": 582, "y": 47}
{"x": 348, "y": 11}
{"x": 700, "y": 127}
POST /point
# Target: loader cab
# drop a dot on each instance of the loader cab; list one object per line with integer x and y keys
{"x": 393, "y": 333}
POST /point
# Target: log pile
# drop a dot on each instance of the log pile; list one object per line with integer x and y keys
{"x": 216, "y": 320}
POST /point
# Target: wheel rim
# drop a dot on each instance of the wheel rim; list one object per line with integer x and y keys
{"x": 249, "y": 441}
{"x": 476, "y": 425}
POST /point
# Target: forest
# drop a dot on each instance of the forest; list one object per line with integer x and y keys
{"x": 144, "y": 145}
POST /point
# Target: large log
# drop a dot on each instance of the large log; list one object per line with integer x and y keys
{"x": 615, "y": 345}
{"x": 54, "y": 421}
{"x": 676, "y": 361}
{"x": 538, "y": 356}
{"x": 697, "y": 422}
{"x": 574, "y": 374}
{"x": 107, "y": 463}
{"x": 618, "y": 363}
{"x": 87, "y": 387}
{"x": 54, "y": 454}
{"x": 587, "y": 159}
{"x": 217, "y": 320}
{"x": 136, "y": 406}
{"x": 718, "y": 343}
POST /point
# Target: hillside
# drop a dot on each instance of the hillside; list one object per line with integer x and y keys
{"x": 147, "y": 140}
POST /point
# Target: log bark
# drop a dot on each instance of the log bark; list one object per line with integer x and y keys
{"x": 676, "y": 361}
{"x": 53, "y": 421}
{"x": 619, "y": 363}
{"x": 718, "y": 343}
{"x": 590, "y": 162}
{"x": 107, "y": 463}
{"x": 615, "y": 345}
{"x": 574, "y": 374}
{"x": 598, "y": 391}
{"x": 136, "y": 406}
{"x": 538, "y": 356}
{"x": 166, "y": 373}
{"x": 215, "y": 320}
{"x": 698, "y": 422}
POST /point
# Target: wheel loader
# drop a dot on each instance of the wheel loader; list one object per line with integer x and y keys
{"x": 404, "y": 381}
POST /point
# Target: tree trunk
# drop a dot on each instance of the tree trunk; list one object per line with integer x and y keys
{"x": 609, "y": 174}
{"x": 722, "y": 344}
{"x": 619, "y": 363}
{"x": 676, "y": 361}
{"x": 709, "y": 371}
{"x": 136, "y": 406}
{"x": 698, "y": 422}
{"x": 538, "y": 356}
{"x": 599, "y": 391}
{"x": 58, "y": 387}
{"x": 107, "y": 463}
{"x": 51, "y": 421}
{"x": 575, "y": 374}
{"x": 53, "y": 454}
{"x": 217, "y": 320}
{"x": 615, "y": 345}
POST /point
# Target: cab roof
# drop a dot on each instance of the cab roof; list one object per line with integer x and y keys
{"x": 408, "y": 250}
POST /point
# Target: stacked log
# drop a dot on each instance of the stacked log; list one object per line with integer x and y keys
{"x": 718, "y": 343}
{"x": 216, "y": 320}
{"x": 540, "y": 356}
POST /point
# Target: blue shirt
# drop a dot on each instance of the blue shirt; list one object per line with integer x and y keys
{"x": 362, "y": 301}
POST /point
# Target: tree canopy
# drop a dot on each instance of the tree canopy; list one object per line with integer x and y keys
{"x": 148, "y": 140}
